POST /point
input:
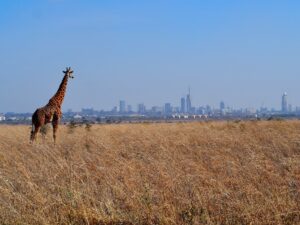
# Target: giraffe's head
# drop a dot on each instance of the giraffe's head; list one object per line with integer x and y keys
{"x": 69, "y": 72}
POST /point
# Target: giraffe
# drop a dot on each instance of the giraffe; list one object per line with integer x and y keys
{"x": 52, "y": 111}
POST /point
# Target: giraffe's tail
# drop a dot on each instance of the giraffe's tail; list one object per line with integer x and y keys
{"x": 31, "y": 133}
{"x": 34, "y": 125}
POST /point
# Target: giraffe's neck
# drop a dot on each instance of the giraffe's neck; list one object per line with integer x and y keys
{"x": 58, "y": 98}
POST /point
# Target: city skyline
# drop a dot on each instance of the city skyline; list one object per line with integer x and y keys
{"x": 183, "y": 105}
{"x": 185, "y": 111}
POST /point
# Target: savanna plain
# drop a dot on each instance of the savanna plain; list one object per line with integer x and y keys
{"x": 238, "y": 172}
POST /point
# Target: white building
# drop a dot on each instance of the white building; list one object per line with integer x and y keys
{"x": 77, "y": 117}
{"x": 2, "y": 117}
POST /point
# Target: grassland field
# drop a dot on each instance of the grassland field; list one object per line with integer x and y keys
{"x": 181, "y": 173}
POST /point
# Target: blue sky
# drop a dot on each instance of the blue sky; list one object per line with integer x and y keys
{"x": 243, "y": 52}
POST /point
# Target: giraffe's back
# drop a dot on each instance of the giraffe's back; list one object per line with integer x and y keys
{"x": 43, "y": 115}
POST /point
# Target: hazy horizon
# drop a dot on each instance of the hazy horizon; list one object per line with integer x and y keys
{"x": 244, "y": 53}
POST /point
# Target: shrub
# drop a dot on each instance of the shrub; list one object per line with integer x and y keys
{"x": 71, "y": 127}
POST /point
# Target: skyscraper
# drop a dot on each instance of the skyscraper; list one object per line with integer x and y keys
{"x": 182, "y": 105}
{"x": 222, "y": 108}
{"x": 222, "y": 105}
{"x": 290, "y": 108}
{"x": 141, "y": 108}
{"x": 168, "y": 108}
{"x": 284, "y": 103}
{"x": 122, "y": 106}
{"x": 129, "y": 108}
{"x": 188, "y": 102}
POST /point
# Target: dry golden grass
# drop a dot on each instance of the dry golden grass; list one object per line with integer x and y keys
{"x": 185, "y": 173}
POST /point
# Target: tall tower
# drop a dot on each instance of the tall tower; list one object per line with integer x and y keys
{"x": 182, "y": 105}
{"x": 141, "y": 108}
{"x": 222, "y": 105}
{"x": 188, "y": 101}
{"x": 284, "y": 103}
{"x": 168, "y": 108}
{"x": 122, "y": 106}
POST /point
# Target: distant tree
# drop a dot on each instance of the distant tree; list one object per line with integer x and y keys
{"x": 88, "y": 127}
{"x": 71, "y": 127}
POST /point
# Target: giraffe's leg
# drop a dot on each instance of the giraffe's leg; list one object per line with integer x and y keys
{"x": 55, "y": 122}
{"x": 34, "y": 132}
